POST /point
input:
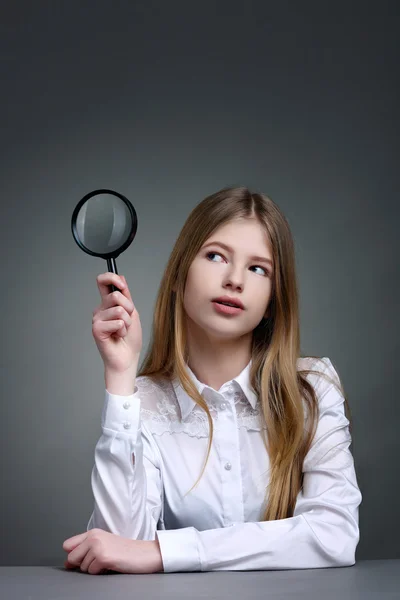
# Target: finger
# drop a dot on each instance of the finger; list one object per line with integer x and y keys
{"x": 95, "y": 568}
{"x": 125, "y": 291}
{"x": 120, "y": 299}
{"x": 116, "y": 326}
{"x": 87, "y": 560}
{"x": 114, "y": 313}
{"x": 104, "y": 280}
{"x": 71, "y": 543}
{"x": 78, "y": 554}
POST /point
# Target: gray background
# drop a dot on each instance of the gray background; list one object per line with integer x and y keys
{"x": 167, "y": 102}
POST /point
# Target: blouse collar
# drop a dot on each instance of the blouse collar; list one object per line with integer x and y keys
{"x": 187, "y": 404}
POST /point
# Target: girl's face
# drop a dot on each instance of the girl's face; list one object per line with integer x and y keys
{"x": 218, "y": 271}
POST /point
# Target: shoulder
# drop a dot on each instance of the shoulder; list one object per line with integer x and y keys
{"x": 313, "y": 362}
{"x": 324, "y": 378}
{"x": 159, "y": 407}
{"x": 317, "y": 367}
{"x": 154, "y": 392}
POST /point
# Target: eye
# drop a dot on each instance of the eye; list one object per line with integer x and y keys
{"x": 212, "y": 253}
{"x": 265, "y": 270}
{"x": 255, "y": 266}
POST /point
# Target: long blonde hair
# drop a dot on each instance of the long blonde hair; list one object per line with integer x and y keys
{"x": 274, "y": 375}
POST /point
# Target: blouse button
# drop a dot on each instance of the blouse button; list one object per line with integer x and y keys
{"x": 228, "y": 466}
{"x": 126, "y": 405}
{"x": 223, "y": 406}
{"x": 127, "y": 425}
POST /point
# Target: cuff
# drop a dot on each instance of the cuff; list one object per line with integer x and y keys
{"x": 121, "y": 413}
{"x": 179, "y": 549}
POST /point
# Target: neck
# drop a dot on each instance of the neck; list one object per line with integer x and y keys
{"x": 214, "y": 362}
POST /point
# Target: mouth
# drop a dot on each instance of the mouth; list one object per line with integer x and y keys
{"x": 226, "y": 301}
{"x": 226, "y": 308}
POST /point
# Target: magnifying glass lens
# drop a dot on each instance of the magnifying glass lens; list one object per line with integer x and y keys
{"x": 103, "y": 223}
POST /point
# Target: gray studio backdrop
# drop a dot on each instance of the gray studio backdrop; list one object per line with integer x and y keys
{"x": 167, "y": 103}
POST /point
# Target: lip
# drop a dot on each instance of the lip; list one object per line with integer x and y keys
{"x": 234, "y": 301}
{"x": 226, "y": 310}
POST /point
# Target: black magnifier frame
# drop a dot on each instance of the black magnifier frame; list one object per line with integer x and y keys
{"x": 109, "y": 256}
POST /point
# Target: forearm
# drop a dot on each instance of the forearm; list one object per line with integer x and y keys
{"x": 127, "y": 498}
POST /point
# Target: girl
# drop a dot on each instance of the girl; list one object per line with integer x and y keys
{"x": 226, "y": 450}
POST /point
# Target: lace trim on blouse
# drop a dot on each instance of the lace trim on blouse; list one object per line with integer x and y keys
{"x": 164, "y": 415}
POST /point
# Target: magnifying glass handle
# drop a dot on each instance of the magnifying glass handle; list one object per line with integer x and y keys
{"x": 112, "y": 268}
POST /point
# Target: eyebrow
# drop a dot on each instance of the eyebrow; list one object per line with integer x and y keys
{"x": 229, "y": 249}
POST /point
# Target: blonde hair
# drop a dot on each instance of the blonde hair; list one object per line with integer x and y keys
{"x": 274, "y": 375}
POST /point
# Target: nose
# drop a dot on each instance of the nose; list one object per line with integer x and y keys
{"x": 234, "y": 282}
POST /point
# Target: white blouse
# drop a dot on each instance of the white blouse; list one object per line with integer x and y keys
{"x": 152, "y": 449}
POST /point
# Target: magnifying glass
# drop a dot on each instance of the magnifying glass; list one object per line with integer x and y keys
{"x": 104, "y": 224}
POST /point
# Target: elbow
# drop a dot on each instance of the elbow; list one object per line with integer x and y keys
{"x": 347, "y": 558}
{"x": 344, "y": 554}
{"x": 326, "y": 556}
{"x": 335, "y": 546}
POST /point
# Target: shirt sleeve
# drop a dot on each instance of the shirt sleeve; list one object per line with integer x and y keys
{"x": 126, "y": 478}
{"x": 323, "y": 531}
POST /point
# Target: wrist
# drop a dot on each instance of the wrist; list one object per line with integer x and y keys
{"x": 121, "y": 382}
{"x": 158, "y": 565}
